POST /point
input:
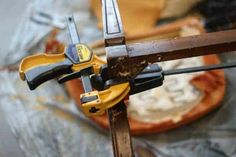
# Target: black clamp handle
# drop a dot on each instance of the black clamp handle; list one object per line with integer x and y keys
{"x": 38, "y": 75}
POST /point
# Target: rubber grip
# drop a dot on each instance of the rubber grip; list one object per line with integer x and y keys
{"x": 40, "y": 74}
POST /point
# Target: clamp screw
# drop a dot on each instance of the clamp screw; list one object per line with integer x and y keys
{"x": 93, "y": 110}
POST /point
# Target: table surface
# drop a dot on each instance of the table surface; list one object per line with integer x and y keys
{"x": 45, "y": 122}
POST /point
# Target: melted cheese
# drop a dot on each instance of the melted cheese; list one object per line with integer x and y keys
{"x": 170, "y": 101}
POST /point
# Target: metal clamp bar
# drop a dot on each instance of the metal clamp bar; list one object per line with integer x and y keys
{"x": 115, "y": 44}
{"x": 142, "y": 54}
{"x": 200, "y": 68}
{"x": 73, "y": 30}
{"x": 121, "y": 140}
{"x": 85, "y": 73}
{"x": 112, "y": 25}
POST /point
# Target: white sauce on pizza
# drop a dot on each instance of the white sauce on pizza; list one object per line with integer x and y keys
{"x": 172, "y": 100}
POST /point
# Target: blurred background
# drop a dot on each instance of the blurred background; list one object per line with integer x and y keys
{"x": 46, "y": 123}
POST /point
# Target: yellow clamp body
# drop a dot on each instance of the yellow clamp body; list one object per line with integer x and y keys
{"x": 87, "y": 58}
{"x": 105, "y": 99}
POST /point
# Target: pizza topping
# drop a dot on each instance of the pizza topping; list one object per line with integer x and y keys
{"x": 176, "y": 97}
{"x": 170, "y": 101}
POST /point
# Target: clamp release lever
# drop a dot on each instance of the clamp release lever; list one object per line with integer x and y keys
{"x": 41, "y": 68}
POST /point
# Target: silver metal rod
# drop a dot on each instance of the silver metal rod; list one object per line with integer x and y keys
{"x": 201, "y": 68}
{"x": 112, "y": 25}
{"x": 73, "y": 30}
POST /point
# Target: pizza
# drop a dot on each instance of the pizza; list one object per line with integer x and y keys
{"x": 181, "y": 100}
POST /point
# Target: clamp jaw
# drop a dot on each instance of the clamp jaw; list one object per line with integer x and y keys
{"x": 112, "y": 91}
{"x": 40, "y": 68}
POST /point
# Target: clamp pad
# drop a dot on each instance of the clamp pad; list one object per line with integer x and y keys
{"x": 97, "y": 102}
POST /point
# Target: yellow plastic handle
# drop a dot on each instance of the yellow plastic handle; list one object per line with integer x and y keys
{"x": 38, "y": 69}
{"x": 38, "y": 60}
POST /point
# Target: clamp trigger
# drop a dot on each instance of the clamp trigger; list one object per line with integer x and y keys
{"x": 69, "y": 77}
